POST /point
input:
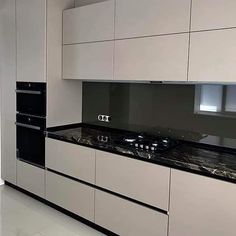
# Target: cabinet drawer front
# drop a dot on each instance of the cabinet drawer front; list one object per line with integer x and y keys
{"x": 127, "y": 218}
{"x": 212, "y": 56}
{"x": 71, "y": 159}
{"x": 135, "y": 18}
{"x": 145, "y": 182}
{"x": 161, "y": 58}
{"x": 213, "y": 14}
{"x": 31, "y": 178}
{"x": 201, "y": 206}
{"x": 88, "y": 61}
{"x": 70, "y": 195}
{"x": 94, "y": 22}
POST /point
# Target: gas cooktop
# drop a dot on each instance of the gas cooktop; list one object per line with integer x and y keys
{"x": 127, "y": 140}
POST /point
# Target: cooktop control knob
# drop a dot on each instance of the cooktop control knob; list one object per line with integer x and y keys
{"x": 147, "y": 147}
{"x": 141, "y": 146}
{"x": 136, "y": 145}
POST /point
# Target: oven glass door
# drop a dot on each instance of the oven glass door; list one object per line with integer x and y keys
{"x": 31, "y": 145}
{"x": 30, "y": 103}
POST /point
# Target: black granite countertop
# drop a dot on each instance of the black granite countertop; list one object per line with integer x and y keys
{"x": 204, "y": 159}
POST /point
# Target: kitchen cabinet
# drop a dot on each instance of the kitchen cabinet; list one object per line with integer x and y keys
{"x": 8, "y": 86}
{"x": 160, "y": 58}
{"x": 213, "y": 14}
{"x": 127, "y": 218}
{"x": 94, "y": 22}
{"x": 212, "y": 56}
{"x": 89, "y": 61}
{"x": 129, "y": 177}
{"x": 201, "y": 206}
{"x": 31, "y": 178}
{"x": 31, "y": 40}
{"x": 70, "y": 195}
{"x": 71, "y": 159}
{"x": 138, "y": 18}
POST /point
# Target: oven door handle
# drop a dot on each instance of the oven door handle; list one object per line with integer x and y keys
{"x": 28, "y": 126}
{"x": 29, "y": 92}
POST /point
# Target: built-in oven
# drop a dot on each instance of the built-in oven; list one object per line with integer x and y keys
{"x": 31, "y": 98}
{"x": 31, "y": 122}
{"x": 30, "y": 140}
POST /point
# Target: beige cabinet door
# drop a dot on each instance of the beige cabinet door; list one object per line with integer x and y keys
{"x": 201, "y": 206}
{"x": 89, "y": 61}
{"x": 133, "y": 178}
{"x": 70, "y": 195}
{"x": 31, "y": 40}
{"x": 212, "y": 56}
{"x": 160, "y": 58}
{"x": 31, "y": 178}
{"x": 71, "y": 159}
{"x": 127, "y": 218}
{"x": 137, "y": 18}
{"x": 94, "y": 22}
{"x": 213, "y": 14}
{"x": 8, "y": 86}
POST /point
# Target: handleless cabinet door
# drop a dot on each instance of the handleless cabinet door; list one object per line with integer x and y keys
{"x": 212, "y": 56}
{"x": 31, "y": 40}
{"x": 70, "y": 195}
{"x": 71, "y": 159}
{"x": 8, "y": 86}
{"x": 136, "y": 18}
{"x": 93, "y": 22}
{"x": 144, "y": 182}
{"x": 127, "y": 218}
{"x": 160, "y": 58}
{"x": 89, "y": 61}
{"x": 31, "y": 178}
{"x": 213, "y": 14}
{"x": 201, "y": 206}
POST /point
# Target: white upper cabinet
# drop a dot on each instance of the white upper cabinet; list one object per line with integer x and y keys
{"x": 137, "y": 18}
{"x": 201, "y": 206}
{"x": 94, "y": 22}
{"x": 213, "y": 14}
{"x": 212, "y": 56}
{"x": 160, "y": 58}
{"x": 88, "y": 61}
{"x": 31, "y": 40}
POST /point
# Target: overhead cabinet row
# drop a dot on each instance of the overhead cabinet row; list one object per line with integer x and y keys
{"x": 120, "y": 19}
{"x": 150, "y": 41}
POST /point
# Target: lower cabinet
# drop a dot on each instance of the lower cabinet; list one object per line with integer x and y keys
{"x": 127, "y": 218}
{"x": 201, "y": 206}
{"x": 70, "y": 195}
{"x": 31, "y": 178}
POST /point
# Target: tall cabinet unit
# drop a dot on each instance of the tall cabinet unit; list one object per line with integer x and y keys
{"x": 8, "y": 86}
{"x": 31, "y": 40}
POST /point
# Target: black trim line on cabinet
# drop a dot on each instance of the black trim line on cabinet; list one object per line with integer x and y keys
{"x": 108, "y": 191}
{"x": 64, "y": 211}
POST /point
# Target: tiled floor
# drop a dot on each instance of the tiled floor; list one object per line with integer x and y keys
{"x": 21, "y": 215}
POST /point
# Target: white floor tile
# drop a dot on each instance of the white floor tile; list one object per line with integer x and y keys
{"x": 21, "y": 215}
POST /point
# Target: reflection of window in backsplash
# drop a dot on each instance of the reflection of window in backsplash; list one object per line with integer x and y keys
{"x": 146, "y": 107}
{"x": 216, "y": 100}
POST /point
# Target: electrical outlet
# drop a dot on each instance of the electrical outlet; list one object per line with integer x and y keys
{"x": 104, "y": 118}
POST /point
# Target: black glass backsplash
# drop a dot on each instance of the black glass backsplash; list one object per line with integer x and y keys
{"x": 166, "y": 109}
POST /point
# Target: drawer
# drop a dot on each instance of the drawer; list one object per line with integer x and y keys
{"x": 127, "y": 218}
{"x": 139, "y": 180}
{"x": 31, "y": 178}
{"x": 71, "y": 159}
{"x": 70, "y": 195}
